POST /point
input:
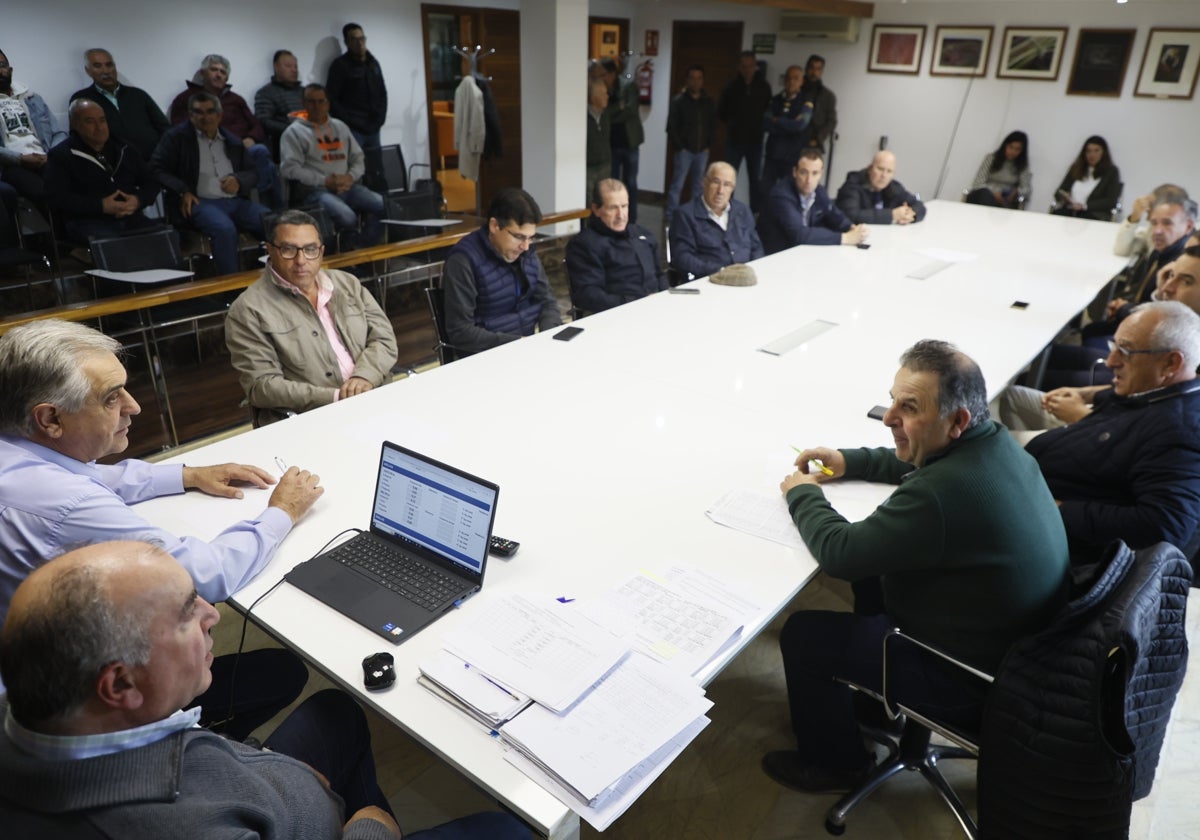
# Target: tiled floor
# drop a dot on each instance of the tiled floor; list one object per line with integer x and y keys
{"x": 716, "y": 789}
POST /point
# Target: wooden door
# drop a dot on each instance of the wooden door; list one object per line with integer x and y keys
{"x": 715, "y": 47}
{"x": 494, "y": 29}
{"x": 500, "y": 29}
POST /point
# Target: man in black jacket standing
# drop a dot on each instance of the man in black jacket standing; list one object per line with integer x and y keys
{"x": 358, "y": 97}
{"x": 743, "y": 103}
{"x": 690, "y": 125}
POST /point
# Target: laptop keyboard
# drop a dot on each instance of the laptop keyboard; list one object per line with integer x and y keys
{"x": 423, "y": 585}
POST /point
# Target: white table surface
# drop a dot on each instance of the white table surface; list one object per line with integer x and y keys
{"x": 609, "y": 448}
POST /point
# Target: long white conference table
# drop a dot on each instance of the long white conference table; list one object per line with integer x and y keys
{"x": 609, "y": 448}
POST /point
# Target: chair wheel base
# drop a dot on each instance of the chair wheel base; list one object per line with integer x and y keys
{"x": 833, "y": 828}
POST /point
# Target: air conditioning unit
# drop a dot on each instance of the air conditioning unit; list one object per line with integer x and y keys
{"x": 830, "y": 27}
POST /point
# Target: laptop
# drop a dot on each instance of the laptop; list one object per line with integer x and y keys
{"x": 425, "y": 552}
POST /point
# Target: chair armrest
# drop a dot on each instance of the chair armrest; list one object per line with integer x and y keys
{"x": 896, "y": 637}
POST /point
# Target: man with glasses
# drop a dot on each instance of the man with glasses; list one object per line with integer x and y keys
{"x": 324, "y": 163}
{"x": 237, "y": 118}
{"x": 495, "y": 289}
{"x": 714, "y": 230}
{"x": 208, "y": 176}
{"x": 358, "y": 97}
{"x": 1130, "y": 469}
{"x": 612, "y": 261}
{"x": 302, "y": 336}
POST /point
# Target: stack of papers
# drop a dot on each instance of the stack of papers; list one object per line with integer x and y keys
{"x": 547, "y": 649}
{"x": 612, "y": 680}
{"x": 610, "y": 745}
{"x": 469, "y": 689}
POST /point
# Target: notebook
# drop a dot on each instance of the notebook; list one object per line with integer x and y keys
{"x": 425, "y": 552}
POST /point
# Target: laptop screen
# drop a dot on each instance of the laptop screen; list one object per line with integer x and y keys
{"x": 435, "y": 506}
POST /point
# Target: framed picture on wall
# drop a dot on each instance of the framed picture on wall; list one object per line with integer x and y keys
{"x": 961, "y": 51}
{"x": 896, "y": 49}
{"x": 1028, "y": 53}
{"x": 1170, "y": 64}
{"x": 1101, "y": 58}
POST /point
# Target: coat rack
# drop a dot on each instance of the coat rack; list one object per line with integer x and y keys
{"x": 473, "y": 58}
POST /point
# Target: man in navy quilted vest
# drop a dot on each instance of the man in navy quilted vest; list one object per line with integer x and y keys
{"x": 495, "y": 289}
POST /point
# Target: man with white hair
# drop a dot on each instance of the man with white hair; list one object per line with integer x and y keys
{"x": 714, "y": 229}
{"x": 65, "y": 407}
{"x": 874, "y": 196}
{"x": 1130, "y": 469}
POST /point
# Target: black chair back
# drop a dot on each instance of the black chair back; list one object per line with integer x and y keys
{"x": 138, "y": 252}
{"x": 436, "y": 297}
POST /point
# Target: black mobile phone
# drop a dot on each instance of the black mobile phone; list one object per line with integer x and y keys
{"x": 567, "y": 333}
{"x": 1020, "y": 304}
{"x": 877, "y": 412}
{"x": 863, "y": 245}
{"x": 684, "y": 291}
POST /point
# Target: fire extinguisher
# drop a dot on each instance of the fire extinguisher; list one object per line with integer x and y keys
{"x": 645, "y": 81}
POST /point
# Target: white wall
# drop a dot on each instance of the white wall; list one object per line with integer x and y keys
{"x": 159, "y": 45}
{"x": 917, "y": 113}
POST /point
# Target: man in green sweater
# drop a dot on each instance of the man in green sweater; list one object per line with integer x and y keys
{"x": 967, "y": 554}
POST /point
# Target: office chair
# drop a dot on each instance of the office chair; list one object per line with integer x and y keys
{"x": 1114, "y": 213}
{"x": 157, "y": 248}
{"x": 435, "y": 296}
{"x": 1020, "y": 199}
{"x": 1091, "y": 693}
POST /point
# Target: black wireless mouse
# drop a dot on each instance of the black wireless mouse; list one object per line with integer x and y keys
{"x": 378, "y": 672}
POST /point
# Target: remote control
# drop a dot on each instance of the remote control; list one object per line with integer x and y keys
{"x": 502, "y": 547}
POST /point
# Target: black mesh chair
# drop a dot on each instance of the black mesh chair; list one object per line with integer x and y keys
{"x": 156, "y": 249}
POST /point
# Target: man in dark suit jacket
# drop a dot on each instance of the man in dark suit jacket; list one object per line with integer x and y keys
{"x": 873, "y": 195}
{"x": 800, "y": 211}
{"x": 210, "y": 191}
{"x": 132, "y": 115}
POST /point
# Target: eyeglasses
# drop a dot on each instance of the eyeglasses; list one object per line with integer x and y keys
{"x": 205, "y": 112}
{"x": 729, "y": 185}
{"x": 1126, "y": 352}
{"x": 290, "y": 252}
{"x": 519, "y": 237}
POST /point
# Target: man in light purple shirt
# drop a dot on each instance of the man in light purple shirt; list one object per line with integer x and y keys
{"x": 66, "y": 406}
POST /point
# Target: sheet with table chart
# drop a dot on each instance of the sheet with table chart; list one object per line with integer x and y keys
{"x": 684, "y": 618}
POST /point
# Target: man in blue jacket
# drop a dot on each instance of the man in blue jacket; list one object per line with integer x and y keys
{"x": 714, "y": 230}
{"x": 612, "y": 261}
{"x": 1130, "y": 469}
{"x": 800, "y": 211}
{"x": 494, "y": 286}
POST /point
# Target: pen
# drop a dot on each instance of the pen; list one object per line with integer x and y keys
{"x": 819, "y": 465}
{"x": 467, "y": 665}
{"x": 281, "y": 465}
